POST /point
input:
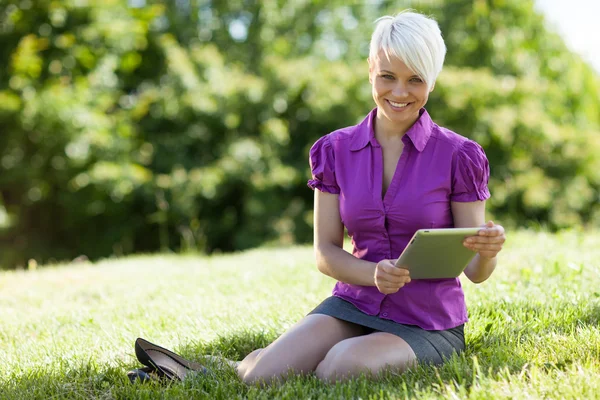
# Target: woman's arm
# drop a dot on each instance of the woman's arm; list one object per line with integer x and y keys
{"x": 487, "y": 243}
{"x": 334, "y": 261}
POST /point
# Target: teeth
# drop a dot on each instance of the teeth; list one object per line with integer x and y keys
{"x": 398, "y": 104}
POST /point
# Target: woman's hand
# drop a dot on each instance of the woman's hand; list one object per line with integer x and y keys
{"x": 488, "y": 242}
{"x": 389, "y": 278}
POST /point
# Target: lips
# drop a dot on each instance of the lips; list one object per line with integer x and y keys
{"x": 398, "y": 106}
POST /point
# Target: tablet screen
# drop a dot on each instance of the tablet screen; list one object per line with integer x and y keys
{"x": 437, "y": 253}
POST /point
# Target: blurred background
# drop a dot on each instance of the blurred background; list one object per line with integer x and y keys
{"x": 132, "y": 126}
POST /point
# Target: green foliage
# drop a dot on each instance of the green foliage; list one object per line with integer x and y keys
{"x": 186, "y": 125}
{"x": 533, "y": 105}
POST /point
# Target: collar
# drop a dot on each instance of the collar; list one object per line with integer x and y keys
{"x": 419, "y": 133}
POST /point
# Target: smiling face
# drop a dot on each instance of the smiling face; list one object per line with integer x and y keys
{"x": 398, "y": 92}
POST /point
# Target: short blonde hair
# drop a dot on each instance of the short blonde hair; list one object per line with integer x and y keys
{"x": 413, "y": 38}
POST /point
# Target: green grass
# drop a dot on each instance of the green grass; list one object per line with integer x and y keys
{"x": 68, "y": 331}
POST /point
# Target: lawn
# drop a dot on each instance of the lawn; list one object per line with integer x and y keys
{"x": 67, "y": 331}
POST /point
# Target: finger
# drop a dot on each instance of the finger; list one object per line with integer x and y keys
{"x": 389, "y": 291}
{"x": 389, "y": 285}
{"x": 486, "y": 247}
{"x": 392, "y": 283}
{"x": 404, "y": 270}
{"x": 492, "y": 240}
{"x": 488, "y": 239}
{"x": 391, "y": 280}
{"x": 383, "y": 285}
{"x": 385, "y": 279}
{"x": 499, "y": 229}
{"x": 496, "y": 230}
{"x": 485, "y": 228}
{"x": 393, "y": 270}
{"x": 483, "y": 245}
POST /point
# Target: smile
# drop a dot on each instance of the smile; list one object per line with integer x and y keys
{"x": 398, "y": 105}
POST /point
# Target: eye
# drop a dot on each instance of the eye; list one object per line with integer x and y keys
{"x": 387, "y": 76}
{"x": 416, "y": 79}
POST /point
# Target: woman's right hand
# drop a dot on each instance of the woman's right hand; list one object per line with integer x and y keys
{"x": 389, "y": 278}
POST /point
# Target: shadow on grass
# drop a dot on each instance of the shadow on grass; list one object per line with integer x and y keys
{"x": 491, "y": 353}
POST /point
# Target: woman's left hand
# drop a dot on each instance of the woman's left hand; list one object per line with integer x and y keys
{"x": 488, "y": 242}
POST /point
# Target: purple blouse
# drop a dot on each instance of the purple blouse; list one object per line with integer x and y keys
{"x": 437, "y": 166}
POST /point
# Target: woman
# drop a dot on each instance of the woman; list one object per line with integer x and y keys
{"x": 383, "y": 179}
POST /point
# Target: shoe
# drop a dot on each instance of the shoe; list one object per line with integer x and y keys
{"x": 163, "y": 362}
{"x": 145, "y": 374}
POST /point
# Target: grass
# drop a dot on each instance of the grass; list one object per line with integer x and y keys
{"x": 67, "y": 331}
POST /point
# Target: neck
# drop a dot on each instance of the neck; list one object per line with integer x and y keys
{"x": 386, "y": 129}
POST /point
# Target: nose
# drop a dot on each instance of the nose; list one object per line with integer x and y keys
{"x": 400, "y": 90}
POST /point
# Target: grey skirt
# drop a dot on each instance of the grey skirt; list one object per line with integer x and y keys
{"x": 430, "y": 347}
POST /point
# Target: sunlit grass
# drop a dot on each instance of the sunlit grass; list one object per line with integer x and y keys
{"x": 68, "y": 331}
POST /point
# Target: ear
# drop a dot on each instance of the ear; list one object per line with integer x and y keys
{"x": 432, "y": 87}
{"x": 370, "y": 70}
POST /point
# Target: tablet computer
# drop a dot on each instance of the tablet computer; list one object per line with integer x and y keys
{"x": 437, "y": 253}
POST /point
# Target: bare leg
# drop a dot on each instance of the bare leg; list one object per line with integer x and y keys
{"x": 370, "y": 353}
{"x": 248, "y": 361}
{"x": 299, "y": 350}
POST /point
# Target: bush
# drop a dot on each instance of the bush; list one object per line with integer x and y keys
{"x": 170, "y": 128}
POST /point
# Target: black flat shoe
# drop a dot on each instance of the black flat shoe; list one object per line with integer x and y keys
{"x": 165, "y": 363}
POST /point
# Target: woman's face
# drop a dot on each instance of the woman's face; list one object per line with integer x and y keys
{"x": 398, "y": 92}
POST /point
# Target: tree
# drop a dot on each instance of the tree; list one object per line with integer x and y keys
{"x": 185, "y": 125}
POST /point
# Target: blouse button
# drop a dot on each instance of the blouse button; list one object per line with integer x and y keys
{"x": 384, "y": 314}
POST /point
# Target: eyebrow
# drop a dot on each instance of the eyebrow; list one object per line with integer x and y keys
{"x": 390, "y": 72}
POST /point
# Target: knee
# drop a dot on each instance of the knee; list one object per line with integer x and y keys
{"x": 257, "y": 377}
{"x": 262, "y": 374}
{"x": 251, "y": 371}
{"x": 253, "y": 378}
{"x": 325, "y": 371}
{"x": 340, "y": 365}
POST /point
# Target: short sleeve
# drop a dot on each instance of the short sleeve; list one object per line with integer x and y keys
{"x": 471, "y": 173}
{"x": 322, "y": 163}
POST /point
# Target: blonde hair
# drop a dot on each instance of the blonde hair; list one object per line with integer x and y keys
{"x": 413, "y": 38}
